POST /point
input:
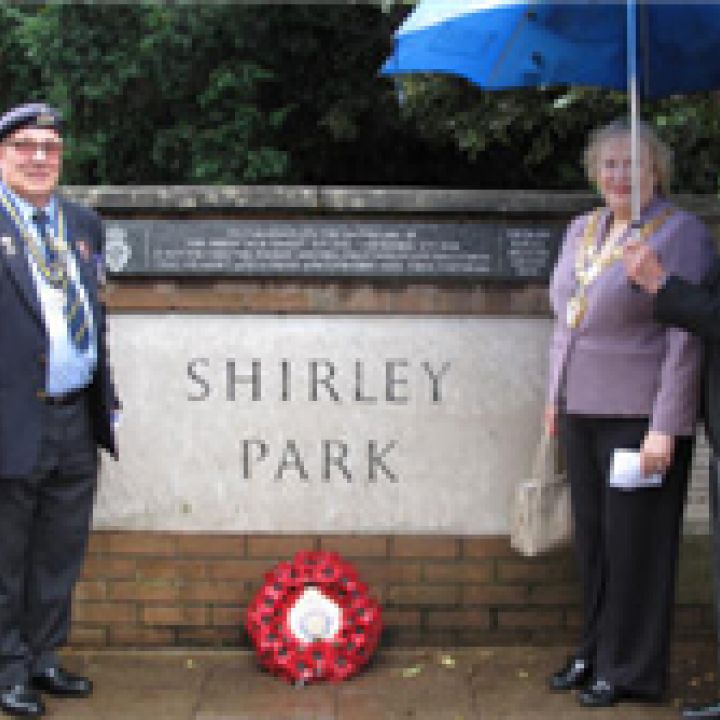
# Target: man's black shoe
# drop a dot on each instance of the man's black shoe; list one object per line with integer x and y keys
{"x": 21, "y": 701}
{"x": 599, "y": 693}
{"x": 575, "y": 673}
{"x": 56, "y": 681}
{"x": 702, "y": 712}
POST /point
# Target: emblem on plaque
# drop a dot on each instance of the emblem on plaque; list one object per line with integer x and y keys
{"x": 117, "y": 249}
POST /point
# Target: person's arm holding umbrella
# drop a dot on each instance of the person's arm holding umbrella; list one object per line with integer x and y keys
{"x": 692, "y": 306}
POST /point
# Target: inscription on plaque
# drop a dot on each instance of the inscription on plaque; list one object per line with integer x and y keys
{"x": 330, "y": 248}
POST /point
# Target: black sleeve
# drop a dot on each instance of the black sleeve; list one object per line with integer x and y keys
{"x": 693, "y": 307}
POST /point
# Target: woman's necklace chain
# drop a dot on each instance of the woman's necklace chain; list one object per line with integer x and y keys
{"x": 591, "y": 261}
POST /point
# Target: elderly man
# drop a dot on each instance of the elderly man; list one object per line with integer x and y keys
{"x": 56, "y": 402}
{"x": 693, "y": 307}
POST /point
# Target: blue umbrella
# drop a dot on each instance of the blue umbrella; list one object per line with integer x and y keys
{"x": 651, "y": 49}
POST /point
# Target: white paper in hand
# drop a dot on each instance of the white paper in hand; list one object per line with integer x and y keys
{"x": 625, "y": 472}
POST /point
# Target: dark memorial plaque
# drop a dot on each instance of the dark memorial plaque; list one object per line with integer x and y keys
{"x": 325, "y": 248}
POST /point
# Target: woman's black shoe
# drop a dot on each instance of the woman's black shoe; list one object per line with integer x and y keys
{"x": 575, "y": 673}
{"x": 599, "y": 693}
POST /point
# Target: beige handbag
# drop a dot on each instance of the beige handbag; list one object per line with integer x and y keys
{"x": 541, "y": 517}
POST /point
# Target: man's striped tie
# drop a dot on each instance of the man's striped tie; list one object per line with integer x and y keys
{"x": 74, "y": 307}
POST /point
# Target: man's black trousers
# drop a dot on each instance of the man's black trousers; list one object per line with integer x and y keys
{"x": 44, "y": 526}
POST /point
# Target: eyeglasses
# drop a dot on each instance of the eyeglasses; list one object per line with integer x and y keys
{"x": 27, "y": 149}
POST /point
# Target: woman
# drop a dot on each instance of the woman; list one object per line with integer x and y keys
{"x": 620, "y": 380}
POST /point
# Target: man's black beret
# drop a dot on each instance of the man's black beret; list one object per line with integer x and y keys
{"x": 38, "y": 115}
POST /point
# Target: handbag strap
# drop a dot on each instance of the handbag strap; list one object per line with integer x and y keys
{"x": 539, "y": 466}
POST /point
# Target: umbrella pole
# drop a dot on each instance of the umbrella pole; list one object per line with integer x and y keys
{"x": 632, "y": 65}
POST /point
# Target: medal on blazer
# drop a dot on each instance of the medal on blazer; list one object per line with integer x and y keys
{"x": 7, "y": 242}
{"x": 591, "y": 261}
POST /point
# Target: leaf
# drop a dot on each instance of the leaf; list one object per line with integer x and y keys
{"x": 411, "y": 672}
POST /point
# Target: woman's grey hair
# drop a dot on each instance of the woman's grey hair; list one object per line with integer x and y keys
{"x": 660, "y": 152}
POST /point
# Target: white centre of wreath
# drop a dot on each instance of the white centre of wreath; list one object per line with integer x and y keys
{"x": 314, "y": 616}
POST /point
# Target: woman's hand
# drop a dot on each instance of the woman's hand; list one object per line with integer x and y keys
{"x": 550, "y": 419}
{"x": 642, "y": 266}
{"x": 656, "y": 453}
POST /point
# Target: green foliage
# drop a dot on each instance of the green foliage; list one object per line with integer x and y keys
{"x": 227, "y": 92}
{"x": 541, "y": 132}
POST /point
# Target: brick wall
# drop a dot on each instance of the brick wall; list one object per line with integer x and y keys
{"x": 160, "y": 589}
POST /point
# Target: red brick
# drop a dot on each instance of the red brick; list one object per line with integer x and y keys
{"x": 462, "y": 572}
{"x": 530, "y": 619}
{"x": 90, "y": 590}
{"x": 354, "y": 546}
{"x": 228, "y": 616}
{"x": 531, "y": 571}
{"x": 170, "y": 569}
{"x": 574, "y": 618}
{"x": 555, "y": 595}
{"x": 392, "y": 571}
{"x": 250, "y": 570}
{"x": 413, "y": 637}
{"x": 174, "y": 615}
{"x": 212, "y": 545}
{"x": 487, "y": 547}
{"x": 143, "y": 590}
{"x": 142, "y": 543}
{"x": 280, "y": 546}
{"x": 82, "y": 636}
{"x": 108, "y": 613}
{"x": 214, "y": 592}
{"x": 141, "y": 636}
{"x": 423, "y": 594}
{"x": 425, "y": 546}
{"x": 102, "y": 567}
{"x": 401, "y": 618}
{"x": 211, "y": 636}
{"x": 98, "y": 542}
{"x": 458, "y": 619}
{"x": 494, "y": 595}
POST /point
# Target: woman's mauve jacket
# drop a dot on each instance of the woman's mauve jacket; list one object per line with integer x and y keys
{"x": 620, "y": 361}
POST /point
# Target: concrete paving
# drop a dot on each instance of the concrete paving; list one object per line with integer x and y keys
{"x": 425, "y": 684}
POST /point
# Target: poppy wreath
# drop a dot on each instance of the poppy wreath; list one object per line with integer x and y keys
{"x": 313, "y": 619}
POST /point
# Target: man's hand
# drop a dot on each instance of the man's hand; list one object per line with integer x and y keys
{"x": 656, "y": 453}
{"x": 642, "y": 266}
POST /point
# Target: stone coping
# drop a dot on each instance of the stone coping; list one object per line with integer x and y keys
{"x": 332, "y": 199}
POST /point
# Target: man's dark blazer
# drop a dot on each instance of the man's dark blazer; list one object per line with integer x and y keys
{"x": 24, "y": 343}
{"x": 696, "y": 308}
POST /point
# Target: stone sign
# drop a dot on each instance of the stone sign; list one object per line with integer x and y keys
{"x": 331, "y": 248}
{"x": 322, "y": 424}
{"x": 310, "y": 424}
